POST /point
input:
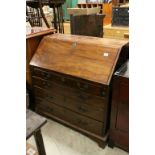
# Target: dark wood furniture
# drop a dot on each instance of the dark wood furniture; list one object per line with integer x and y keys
{"x": 88, "y": 25}
{"x": 71, "y": 81}
{"x": 119, "y": 124}
{"x": 57, "y": 11}
{"x": 33, "y": 37}
{"x": 34, "y": 122}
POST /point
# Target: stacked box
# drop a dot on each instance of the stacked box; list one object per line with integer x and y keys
{"x": 120, "y": 16}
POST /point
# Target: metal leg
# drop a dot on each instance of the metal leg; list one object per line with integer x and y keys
{"x": 39, "y": 142}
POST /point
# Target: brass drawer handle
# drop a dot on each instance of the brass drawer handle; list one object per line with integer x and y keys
{"x": 82, "y": 86}
{"x": 82, "y": 97}
{"x": 46, "y": 75}
{"x": 103, "y": 94}
{"x": 82, "y": 109}
{"x": 44, "y": 83}
{"x": 50, "y": 97}
{"x": 63, "y": 79}
{"x": 36, "y": 71}
{"x": 82, "y": 122}
{"x": 50, "y": 109}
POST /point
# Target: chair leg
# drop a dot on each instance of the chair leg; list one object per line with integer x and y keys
{"x": 39, "y": 142}
{"x": 42, "y": 14}
{"x": 55, "y": 18}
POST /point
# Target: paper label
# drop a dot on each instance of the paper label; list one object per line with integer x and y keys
{"x": 105, "y": 54}
{"x": 30, "y": 151}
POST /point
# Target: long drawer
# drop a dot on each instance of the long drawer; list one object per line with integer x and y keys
{"x": 83, "y": 85}
{"x": 43, "y": 96}
{"x": 71, "y": 117}
{"x": 75, "y": 94}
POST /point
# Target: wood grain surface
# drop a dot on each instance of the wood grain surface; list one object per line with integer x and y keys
{"x": 89, "y": 58}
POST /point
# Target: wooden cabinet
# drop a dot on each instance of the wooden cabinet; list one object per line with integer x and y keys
{"x": 119, "y": 125}
{"x": 33, "y": 37}
{"x": 71, "y": 81}
{"x": 88, "y": 25}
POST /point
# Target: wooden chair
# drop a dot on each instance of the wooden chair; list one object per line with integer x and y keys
{"x": 33, "y": 16}
{"x": 56, "y": 5}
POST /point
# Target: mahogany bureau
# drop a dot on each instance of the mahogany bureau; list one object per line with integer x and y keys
{"x": 71, "y": 77}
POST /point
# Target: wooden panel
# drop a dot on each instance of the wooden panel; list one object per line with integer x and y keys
{"x": 119, "y": 125}
{"x": 70, "y": 103}
{"x": 69, "y": 116}
{"x": 75, "y": 93}
{"x": 77, "y": 56}
{"x": 107, "y": 10}
{"x": 87, "y": 25}
{"x": 78, "y": 84}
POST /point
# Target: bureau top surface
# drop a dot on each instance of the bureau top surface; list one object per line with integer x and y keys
{"x": 89, "y": 58}
{"x": 38, "y": 31}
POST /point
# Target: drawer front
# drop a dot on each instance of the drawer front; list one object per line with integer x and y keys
{"x": 71, "y": 117}
{"x": 43, "y": 97}
{"x": 82, "y": 85}
{"x": 70, "y": 93}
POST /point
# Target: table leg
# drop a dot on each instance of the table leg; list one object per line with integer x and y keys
{"x": 39, "y": 142}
